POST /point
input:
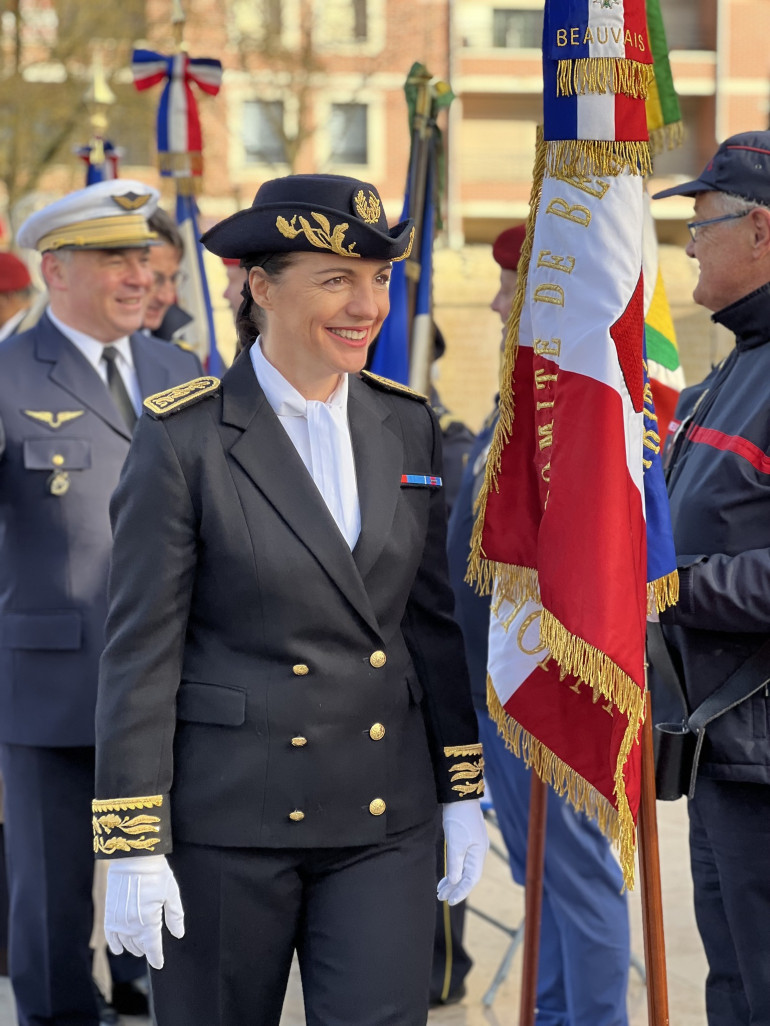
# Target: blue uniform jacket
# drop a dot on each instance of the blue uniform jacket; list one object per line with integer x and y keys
{"x": 57, "y": 418}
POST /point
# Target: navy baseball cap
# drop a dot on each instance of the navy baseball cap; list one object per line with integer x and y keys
{"x": 741, "y": 166}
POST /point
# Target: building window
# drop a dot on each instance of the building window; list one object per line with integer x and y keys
{"x": 348, "y": 133}
{"x": 263, "y": 135}
{"x": 344, "y": 21}
{"x": 517, "y": 29}
{"x": 360, "y": 26}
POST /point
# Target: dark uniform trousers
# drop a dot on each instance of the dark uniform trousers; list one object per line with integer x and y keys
{"x": 360, "y": 919}
{"x": 62, "y": 444}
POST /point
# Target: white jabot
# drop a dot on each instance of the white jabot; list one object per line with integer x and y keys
{"x": 320, "y": 433}
{"x": 93, "y": 351}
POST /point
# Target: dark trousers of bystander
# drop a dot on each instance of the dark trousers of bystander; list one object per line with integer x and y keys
{"x": 730, "y": 860}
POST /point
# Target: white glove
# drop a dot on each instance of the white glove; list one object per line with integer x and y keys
{"x": 467, "y": 842}
{"x": 140, "y": 890}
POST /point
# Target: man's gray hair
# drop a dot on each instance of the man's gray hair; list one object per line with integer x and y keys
{"x": 732, "y": 204}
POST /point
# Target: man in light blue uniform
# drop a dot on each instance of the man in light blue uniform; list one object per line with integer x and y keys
{"x": 584, "y": 934}
{"x": 70, "y": 391}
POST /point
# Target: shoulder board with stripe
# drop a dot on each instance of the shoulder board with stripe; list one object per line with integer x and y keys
{"x": 395, "y": 387}
{"x": 163, "y": 404}
{"x": 182, "y": 345}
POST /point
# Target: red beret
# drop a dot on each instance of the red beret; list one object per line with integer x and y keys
{"x": 231, "y": 261}
{"x": 14, "y": 275}
{"x": 506, "y": 249}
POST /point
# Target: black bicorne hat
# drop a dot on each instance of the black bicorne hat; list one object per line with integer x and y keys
{"x": 312, "y": 213}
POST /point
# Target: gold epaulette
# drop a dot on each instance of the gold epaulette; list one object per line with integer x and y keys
{"x": 121, "y": 827}
{"x": 179, "y": 398}
{"x": 386, "y": 385}
{"x": 466, "y": 769}
{"x": 183, "y": 345}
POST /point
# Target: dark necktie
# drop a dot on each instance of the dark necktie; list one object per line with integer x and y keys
{"x": 117, "y": 388}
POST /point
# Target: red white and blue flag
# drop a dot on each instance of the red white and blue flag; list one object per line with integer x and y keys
{"x": 180, "y": 156}
{"x": 180, "y": 144}
{"x": 563, "y": 532}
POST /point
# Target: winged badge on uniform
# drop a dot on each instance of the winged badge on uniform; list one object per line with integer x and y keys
{"x": 53, "y": 420}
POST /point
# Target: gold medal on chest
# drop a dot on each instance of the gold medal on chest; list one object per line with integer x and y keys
{"x": 58, "y": 482}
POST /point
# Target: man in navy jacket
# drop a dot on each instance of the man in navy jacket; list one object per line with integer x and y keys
{"x": 719, "y": 485}
{"x": 70, "y": 390}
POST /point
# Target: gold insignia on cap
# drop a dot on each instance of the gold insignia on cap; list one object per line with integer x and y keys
{"x": 53, "y": 420}
{"x": 408, "y": 249}
{"x": 130, "y": 200}
{"x": 467, "y": 777}
{"x": 367, "y": 207}
{"x": 322, "y": 237}
{"x": 173, "y": 399}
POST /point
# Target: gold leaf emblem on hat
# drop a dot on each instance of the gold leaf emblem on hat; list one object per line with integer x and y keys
{"x": 130, "y": 200}
{"x": 323, "y": 237}
{"x": 408, "y": 249}
{"x": 367, "y": 207}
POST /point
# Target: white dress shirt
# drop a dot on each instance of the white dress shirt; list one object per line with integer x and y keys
{"x": 320, "y": 433}
{"x": 93, "y": 350}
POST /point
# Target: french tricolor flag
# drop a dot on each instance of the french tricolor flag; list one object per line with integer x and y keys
{"x": 572, "y": 508}
{"x": 596, "y": 64}
{"x": 178, "y": 124}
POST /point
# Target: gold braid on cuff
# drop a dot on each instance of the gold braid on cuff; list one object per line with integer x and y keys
{"x": 467, "y": 775}
{"x": 116, "y": 830}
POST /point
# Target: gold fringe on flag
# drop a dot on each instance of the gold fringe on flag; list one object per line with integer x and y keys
{"x": 597, "y": 157}
{"x": 480, "y": 571}
{"x": 514, "y": 584}
{"x": 591, "y": 665}
{"x": 617, "y": 825}
{"x": 663, "y": 593}
{"x": 604, "y": 75}
{"x": 173, "y": 163}
{"x": 667, "y": 137}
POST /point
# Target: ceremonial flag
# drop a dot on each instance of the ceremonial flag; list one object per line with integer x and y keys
{"x": 664, "y": 116}
{"x": 180, "y": 156}
{"x": 665, "y": 371}
{"x": 101, "y": 159}
{"x": 562, "y": 536}
{"x": 391, "y": 352}
{"x": 664, "y": 122}
{"x": 193, "y": 292}
{"x": 404, "y": 350}
{"x": 180, "y": 145}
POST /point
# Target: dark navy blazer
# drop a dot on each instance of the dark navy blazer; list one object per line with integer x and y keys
{"x": 57, "y": 418}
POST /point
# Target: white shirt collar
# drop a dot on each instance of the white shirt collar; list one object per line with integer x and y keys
{"x": 90, "y": 347}
{"x": 284, "y": 398}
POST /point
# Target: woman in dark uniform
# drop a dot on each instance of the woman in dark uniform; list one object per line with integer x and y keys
{"x": 283, "y": 689}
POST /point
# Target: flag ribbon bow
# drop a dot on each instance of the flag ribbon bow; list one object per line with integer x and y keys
{"x": 178, "y": 126}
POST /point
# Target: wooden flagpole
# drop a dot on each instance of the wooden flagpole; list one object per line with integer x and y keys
{"x": 533, "y": 897}
{"x": 652, "y": 902}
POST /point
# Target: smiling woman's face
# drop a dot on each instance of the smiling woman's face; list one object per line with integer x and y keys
{"x": 321, "y": 314}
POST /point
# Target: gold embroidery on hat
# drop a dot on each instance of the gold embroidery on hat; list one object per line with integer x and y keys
{"x": 322, "y": 238}
{"x": 130, "y": 200}
{"x": 408, "y": 250}
{"x": 367, "y": 207}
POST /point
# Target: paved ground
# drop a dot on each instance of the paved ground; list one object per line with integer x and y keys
{"x": 497, "y": 896}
